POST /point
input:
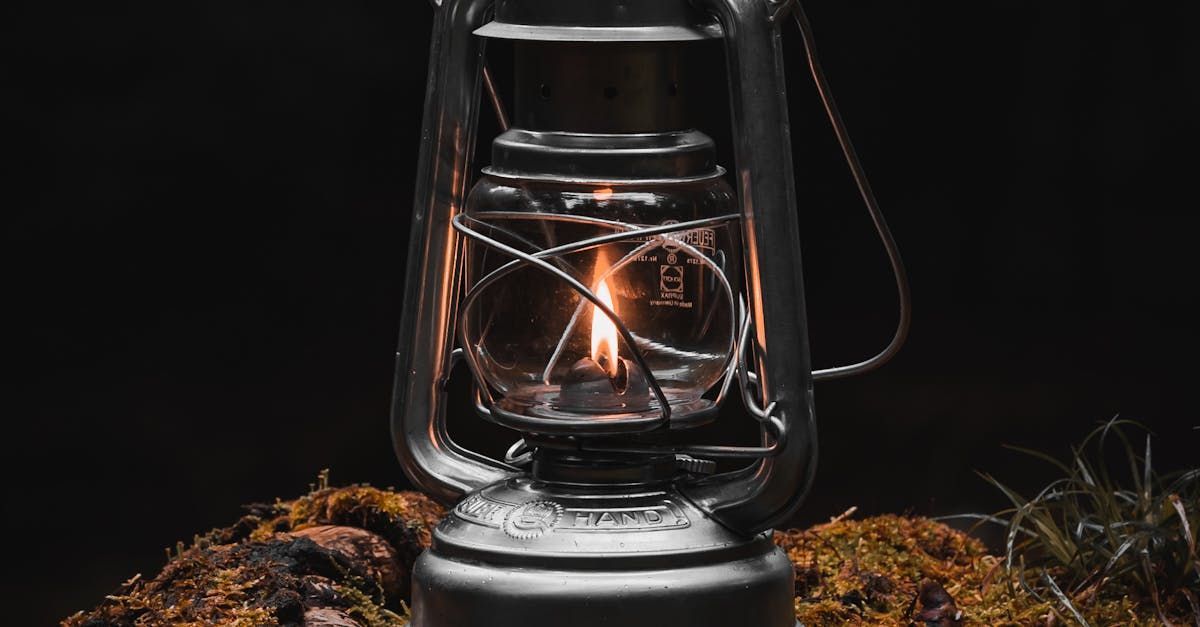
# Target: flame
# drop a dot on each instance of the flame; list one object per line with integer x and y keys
{"x": 604, "y": 332}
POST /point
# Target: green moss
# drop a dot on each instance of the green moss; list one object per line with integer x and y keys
{"x": 848, "y": 571}
{"x": 252, "y": 574}
{"x": 405, "y": 519}
{"x": 868, "y": 571}
{"x": 363, "y": 609}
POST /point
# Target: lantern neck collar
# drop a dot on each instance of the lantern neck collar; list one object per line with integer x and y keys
{"x": 586, "y": 468}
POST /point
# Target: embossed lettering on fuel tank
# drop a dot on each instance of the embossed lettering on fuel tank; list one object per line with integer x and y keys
{"x": 532, "y": 519}
{"x": 664, "y": 516}
{"x": 484, "y": 511}
{"x": 527, "y": 521}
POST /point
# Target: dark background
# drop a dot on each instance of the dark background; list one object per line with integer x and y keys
{"x": 207, "y": 221}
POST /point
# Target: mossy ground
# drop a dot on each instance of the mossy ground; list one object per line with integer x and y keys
{"x": 847, "y": 572}
{"x": 868, "y": 571}
{"x": 252, "y": 574}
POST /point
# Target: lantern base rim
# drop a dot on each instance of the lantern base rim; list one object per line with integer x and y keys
{"x": 524, "y": 551}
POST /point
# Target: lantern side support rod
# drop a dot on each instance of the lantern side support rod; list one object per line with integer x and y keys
{"x": 489, "y": 85}
{"x": 432, "y": 461}
{"x": 768, "y": 492}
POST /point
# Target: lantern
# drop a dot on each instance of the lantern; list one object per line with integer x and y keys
{"x": 607, "y": 288}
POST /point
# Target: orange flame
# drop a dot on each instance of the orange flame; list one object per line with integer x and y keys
{"x": 604, "y": 332}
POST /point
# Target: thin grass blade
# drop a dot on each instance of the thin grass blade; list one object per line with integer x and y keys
{"x": 1188, "y": 536}
{"x": 1146, "y": 474}
{"x": 1039, "y": 455}
{"x": 1152, "y": 585}
{"x": 1062, "y": 598}
{"x": 1191, "y": 599}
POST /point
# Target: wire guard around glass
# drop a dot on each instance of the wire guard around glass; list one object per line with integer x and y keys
{"x": 660, "y": 412}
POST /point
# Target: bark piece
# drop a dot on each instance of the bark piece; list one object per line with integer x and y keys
{"x": 366, "y": 549}
{"x": 325, "y": 617}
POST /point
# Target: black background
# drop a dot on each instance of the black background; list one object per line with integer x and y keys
{"x": 207, "y": 221}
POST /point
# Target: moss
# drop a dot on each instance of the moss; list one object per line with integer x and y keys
{"x": 863, "y": 572}
{"x": 251, "y": 574}
{"x": 868, "y": 571}
{"x": 367, "y": 612}
{"x": 405, "y": 519}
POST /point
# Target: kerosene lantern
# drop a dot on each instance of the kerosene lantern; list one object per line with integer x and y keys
{"x": 607, "y": 287}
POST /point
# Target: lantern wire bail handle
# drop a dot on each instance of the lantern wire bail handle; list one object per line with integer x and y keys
{"x": 864, "y": 189}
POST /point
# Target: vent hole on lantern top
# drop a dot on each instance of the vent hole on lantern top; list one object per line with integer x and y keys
{"x": 544, "y": 91}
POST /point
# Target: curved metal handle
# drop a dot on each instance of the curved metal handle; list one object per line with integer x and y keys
{"x": 767, "y": 493}
{"x": 868, "y": 197}
{"x": 423, "y": 360}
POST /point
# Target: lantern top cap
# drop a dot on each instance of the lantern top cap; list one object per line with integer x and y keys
{"x": 600, "y": 20}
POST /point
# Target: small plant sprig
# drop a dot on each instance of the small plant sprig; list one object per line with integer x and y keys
{"x": 1093, "y": 532}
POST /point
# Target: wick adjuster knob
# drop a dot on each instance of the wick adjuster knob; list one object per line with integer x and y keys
{"x": 687, "y": 463}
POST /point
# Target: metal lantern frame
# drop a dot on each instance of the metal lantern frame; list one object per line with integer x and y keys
{"x": 611, "y": 524}
{"x": 768, "y": 355}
